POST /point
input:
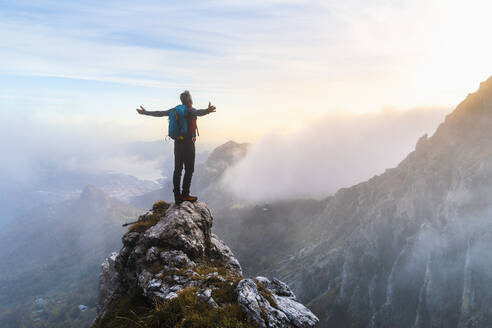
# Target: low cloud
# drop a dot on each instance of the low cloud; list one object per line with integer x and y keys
{"x": 30, "y": 146}
{"x": 337, "y": 151}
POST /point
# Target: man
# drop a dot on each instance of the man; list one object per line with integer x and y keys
{"x": 184, "y": 146}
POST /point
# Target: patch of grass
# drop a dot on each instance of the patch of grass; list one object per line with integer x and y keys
{"x": 223, "y": 279}
{"x": 203, "y": 269}
{"x": 187, "y": 311}
{"x": 155, "y": 268}
{"x": 159, "y": 210}
{"x": 210, "y": 266}
{"x": 225, "y": 292}
{"x": 124, "y": 311}
{"x": 160, "y": 207}
{"x": 144, "y": 225}
{"x": 184, "y": 311}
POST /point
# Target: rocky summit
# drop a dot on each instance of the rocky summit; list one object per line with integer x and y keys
{"x": 173, "y": 272}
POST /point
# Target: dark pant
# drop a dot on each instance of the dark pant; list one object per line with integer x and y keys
{"x": 184, "y": 154}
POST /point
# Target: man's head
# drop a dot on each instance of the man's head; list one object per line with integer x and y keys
{"x": 185, "y": 97}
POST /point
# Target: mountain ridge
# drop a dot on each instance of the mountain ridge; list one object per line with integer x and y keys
{"x": 371, "y": 255}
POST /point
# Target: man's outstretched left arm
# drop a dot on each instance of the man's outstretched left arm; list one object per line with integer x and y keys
{"x": 202, "y": 112}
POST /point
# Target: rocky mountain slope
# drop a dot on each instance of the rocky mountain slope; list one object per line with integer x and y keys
{"x": 173, "y": 272}
{"x": 259, "y": 235}
{"x": 54, "y": 253}
{"x": 409, "y": 247}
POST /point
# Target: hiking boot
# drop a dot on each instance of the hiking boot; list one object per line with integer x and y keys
{"x": 188, "y": 198}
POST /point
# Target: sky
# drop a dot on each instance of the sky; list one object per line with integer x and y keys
{"x": 267, "y": 65}
{"x": 72, "y": 74}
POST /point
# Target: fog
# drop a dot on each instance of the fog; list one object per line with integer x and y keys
{"x": 337, "y": 151}
{"x": 31, "y": 145}
{"x": 48, "y": 161}
{"x": 452, "y": 263}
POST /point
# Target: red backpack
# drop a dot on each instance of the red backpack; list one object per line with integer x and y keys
{"x": 192, "y": 127}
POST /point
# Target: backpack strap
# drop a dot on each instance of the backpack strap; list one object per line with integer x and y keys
{"x": 179, "y": 124}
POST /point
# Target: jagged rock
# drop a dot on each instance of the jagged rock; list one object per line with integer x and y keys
{"x": 176, "y": 259}
{"x": 276, "y": 286}
{"x": 186, "y": 227}
{"x": 220, "y": 250}
{"x": 250, "y": 301}
{"x": 83, "y": 307}
{"x": 130, "y": 238}
{"x": 297, "y": 313}
{"x": 179, "y": 253}
{"x": 259, "y": 308}
{"x": 276, "y": 306}
{"x": 206, "y": 296}
{"x": 153, "y": 254}
{"x": 109, "y": 283}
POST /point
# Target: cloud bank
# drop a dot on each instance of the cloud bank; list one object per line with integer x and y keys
{"x": 31, "y": 146}
{"x": 337, "y": 151}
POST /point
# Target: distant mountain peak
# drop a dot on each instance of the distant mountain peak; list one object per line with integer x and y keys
{"x": 227, "y": 154}
{"x": 92, "y": 192}
{"x": 473, "y": 110}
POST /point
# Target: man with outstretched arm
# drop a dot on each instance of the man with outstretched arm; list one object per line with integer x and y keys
{"x": 184, "y": 144}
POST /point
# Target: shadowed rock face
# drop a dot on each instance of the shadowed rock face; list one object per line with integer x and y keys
{"x": 410, "y": 247}
{"x": 177, "y": 253}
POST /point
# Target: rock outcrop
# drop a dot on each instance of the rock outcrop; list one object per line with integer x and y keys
{"x": 171, "y": 264}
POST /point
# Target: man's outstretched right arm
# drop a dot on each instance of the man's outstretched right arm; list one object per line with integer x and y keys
{"x": 156, "y": 113}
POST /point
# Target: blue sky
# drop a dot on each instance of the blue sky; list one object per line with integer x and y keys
{"x": 263, "y": 63}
